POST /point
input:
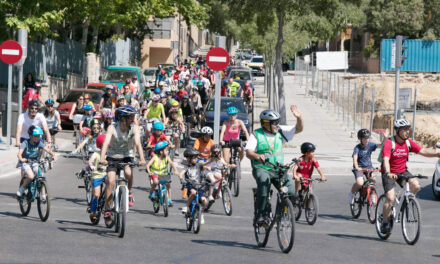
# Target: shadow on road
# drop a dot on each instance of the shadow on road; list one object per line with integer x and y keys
{"x": 96, "y": 230}
{"x": 77, "y": 201}
{"x": 12, "y": 195}
{"x": 346, "y": 236}
{"x": 170, "y": 229}
{"x": 426, "y": 193}
{"x": 343, "y": 217}
{"x": 18, "y": 215}
{"x": 63, "y": 222}
{"x": 232, "y": 244}
{"x": 436, "y": 256}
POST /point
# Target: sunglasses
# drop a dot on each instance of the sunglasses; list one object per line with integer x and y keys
{"x": 80, "y": 99}
{"x": 49, "y": 105}
{"x": 33, "y": 108}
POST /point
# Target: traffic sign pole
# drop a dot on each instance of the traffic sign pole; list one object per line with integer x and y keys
{"x": 9, "y": 112}
{"x": 217, "y": 99}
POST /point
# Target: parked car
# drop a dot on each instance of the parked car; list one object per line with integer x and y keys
{"x": 70, "y": 98}
{"x": 118, "y": 74}
{"x": 169, "y": 67}
{"x": 208, "y": 114}
{"x": 149, "y": 75}
{"x": 101, "y": 86}
{"x": 257, "y": 65}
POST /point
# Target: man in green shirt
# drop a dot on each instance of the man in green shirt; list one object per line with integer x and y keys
{"x": 233, "y": 88}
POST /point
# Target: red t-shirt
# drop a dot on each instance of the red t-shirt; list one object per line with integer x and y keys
{"x": 224, "y": 90}
{"x": 176, "y": 76}
{"x": 305, "y": 168}
{"x": 181, "y": 93}
{"x": 30, "y": 95}
{"x": 153, "y": 139}
{"x": 400, "y": 154}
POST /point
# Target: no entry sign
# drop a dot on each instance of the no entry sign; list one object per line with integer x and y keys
{"x": 10, "y": 52}
{"x": 217, "y": 59}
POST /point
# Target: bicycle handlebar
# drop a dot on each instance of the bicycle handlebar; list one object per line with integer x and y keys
{"x": 400, "y": 175}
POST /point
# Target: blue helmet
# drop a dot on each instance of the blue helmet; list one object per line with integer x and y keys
{"x": 158, "y": 126}
{"x": 35, "y": 131}
{"x": 49, "y": 101}
{"x": 232, "y": 110}
{"x": 157, "y": 91}
{"x": 87, "y": 107}
{"x": 160, "y": 145}
{"x": 125, "y": 111}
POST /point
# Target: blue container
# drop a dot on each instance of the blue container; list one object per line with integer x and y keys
{"x": 423, "y": 56}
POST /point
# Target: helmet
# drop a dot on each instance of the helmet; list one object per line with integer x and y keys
{"x": 174, "y": 89}
{"x": 307, "y": 147}
{"x": 35, "y": 131}
{"x": 109, "y": 114}
{"x": 84, "y": 131}
{"x": 161, "y": 83}
{"x": 37, "y": 85}
{"x": 87, "y": 107}
{"x": 363, "y": 133}
{"x": 160, "y": 145}
{"x": 120, "y": 97}
{"x": 157, "y": 91}
{"x": 33, "y": 103}
{"x": 185, "y": 96}
{"x": 270, "y": 115}
{"x": 163, "y": 96}
{"x": 180, "y": 85}
{"x": 49, "y": 101}
{"x": 232, "y": 110}
{"x": 127, "y": 81}
{"x": 158, "y": 126}
{"x": 399, "y": 123}
{"x": 191, "y": 152}
{"x": 195, "y": 88}
{"x": 216, "y": 150}
{"x": 172, "y": 111}
{"x": 134, "y": 77}
{"x": 100, "y": 140}
{"x": 162, "y": 72}
{"x": 155, "y": 98}
{"x": 175, "y": 103}
{"x": 109, "y": 87}
{"x": 95, "y": 122}
{"x": 247, "y": 84}
{"x": 125, "y": 111}
{"x": 207, "y": 130}
{"x": 200, "y": 83}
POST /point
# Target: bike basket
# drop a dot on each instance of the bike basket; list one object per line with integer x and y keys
{"x": 77, "y": 118}
{"x": 165, "y": 177}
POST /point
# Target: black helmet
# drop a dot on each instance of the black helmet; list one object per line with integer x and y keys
{"x": 307, "y": 147}
{"x": 215, "y": 150}
{"x": 270, "y": 115}
{"x": 363, "y": 133}
{"x": 33, "y": 103}
{"x": 191, "y": 152}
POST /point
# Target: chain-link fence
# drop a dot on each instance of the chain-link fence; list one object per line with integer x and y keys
{"x": 120, "y": 52}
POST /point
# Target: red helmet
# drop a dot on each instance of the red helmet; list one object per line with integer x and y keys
{"x": 247, "y": 84}
{"x": 100, "y": 140}
{"x": 127, "y": 81}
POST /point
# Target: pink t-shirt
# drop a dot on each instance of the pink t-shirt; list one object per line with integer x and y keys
{"x": 399, "y": 156}
{"x": 305, "y": 168}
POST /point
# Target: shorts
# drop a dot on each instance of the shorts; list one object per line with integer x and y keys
{"x": 98, "y": 181}
{"x": 388, "y": 184}
{"x": 112, "y": 162}
{"x": 201, "y": 191}
{"x": 201, "y": 159}
{"x": 358, "y": 174}
{"x": 53, "y": 131}
{"x": 214, "y": 173}
{"x": 27, "y": 166}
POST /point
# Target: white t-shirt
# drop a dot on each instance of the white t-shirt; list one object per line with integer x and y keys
{"x": 26, "y": 122}
{"x": 288, "y": 132}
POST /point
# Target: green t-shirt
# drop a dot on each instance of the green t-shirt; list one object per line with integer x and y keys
{"x": 234, "y": 87}
{"x": 147, "y": 93}
{"x": 155, "y": 111}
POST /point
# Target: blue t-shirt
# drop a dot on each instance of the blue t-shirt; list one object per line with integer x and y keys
{"x": 31, "y": 151}
{"x": 364, "y": 154}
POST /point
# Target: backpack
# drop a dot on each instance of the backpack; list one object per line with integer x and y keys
{"x": 393, "y": 146}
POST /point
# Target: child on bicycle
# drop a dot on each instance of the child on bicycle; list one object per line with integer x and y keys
{"x": 98, "y": 175}
{"x": 90, "y": 136}
{"x": 304, "y": 168}
{"x": 214, "y": 166}
{"x": 158, "y": 166}
{"x": 28, "y": 154}
{"x": 362, "y": 161}
{"x": 158, "y": 136}
{"x": 192, "y": 174}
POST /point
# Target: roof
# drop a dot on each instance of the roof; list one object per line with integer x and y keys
{"x": 124, "y": 68}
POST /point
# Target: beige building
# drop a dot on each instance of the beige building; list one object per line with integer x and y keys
{"x": 157, "y": 48}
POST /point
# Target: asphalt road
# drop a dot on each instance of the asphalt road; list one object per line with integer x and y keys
{"x": 68, "y": 236}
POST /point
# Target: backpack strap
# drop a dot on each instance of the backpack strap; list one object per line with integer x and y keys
{"x": 281, "y": 132}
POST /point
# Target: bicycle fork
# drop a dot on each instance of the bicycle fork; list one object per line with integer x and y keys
{"x": 122, "y": 183}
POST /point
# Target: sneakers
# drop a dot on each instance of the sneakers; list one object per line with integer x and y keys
{"x": 170, "y": 203}
{"x": 184, "y": 210}
{"x": 55, "y": 147}
{"x": 211, "y": 198}
{"x": 108, "y": 216}
{"x": 130, "y": 200}
{"x": 20, "y": 191}
{"x": 152, "y": 195}
{"x": 202, "y": 218}
{"x": 176, "y": 153}
{"x": 93, "y": 217}
{"x": 350, "y": 198}
{"x": 385, "y": 228}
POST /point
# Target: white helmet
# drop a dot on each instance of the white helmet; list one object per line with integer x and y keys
{"x": 207, "y": 130}
{"x": 399, "y": 123}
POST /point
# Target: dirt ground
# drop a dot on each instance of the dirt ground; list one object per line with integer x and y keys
{"x": 428, "y": 98}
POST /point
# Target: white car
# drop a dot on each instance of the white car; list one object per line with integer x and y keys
{"x": 257, "y": 65}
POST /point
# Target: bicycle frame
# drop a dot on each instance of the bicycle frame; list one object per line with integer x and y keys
{"x": 400, "y": 199}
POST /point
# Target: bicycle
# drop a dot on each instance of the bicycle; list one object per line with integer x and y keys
{"x": 100, "y": 207}
{"x": 284, "y": 216}
{"x": 76, "y": 120}
{"x": 161, "y": 197}
{"x": 169, "y": 132}
{"x": 405, "y": 209}
{"x": 34, "y": 190}
{"x": 235, "y": 172}
{"x": 120, "y": 198}
{"x": 86, "y": 175}
{"x": 193, "y": 218}
{"x": 222, "y": 188}
{"x": 367, "y": 194}
{"x": 307, "y": 201}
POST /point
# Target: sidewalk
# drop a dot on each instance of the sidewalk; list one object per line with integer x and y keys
{"x": 334, "y": 141}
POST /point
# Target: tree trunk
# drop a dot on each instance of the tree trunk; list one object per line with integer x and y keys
{"x": 278, "y": 66}
{"x": 85, "y": 28}
{"x": 95, "y": 38}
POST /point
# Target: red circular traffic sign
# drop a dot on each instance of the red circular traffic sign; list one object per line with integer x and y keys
{"x": 217, "y": 59}
{"x": 10, "y": 52}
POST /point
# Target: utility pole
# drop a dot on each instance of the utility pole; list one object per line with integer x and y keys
{"x": 400, "y": 49}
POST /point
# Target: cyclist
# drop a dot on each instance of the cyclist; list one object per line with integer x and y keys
{"x": 204, "y": 143}
{"x": 203, "y": 92}
{"x": 90, "y": 136}
{"x": 246, "y": 94}
{"x": 98, "y": 176}
{"x": 120, "y": 141}
{"x": 304, "y": 167}
{"x": 156, "y": 109}
{"x": 268, "y": 141}
{"x": 196, "y": 99}
{"x": 175, "y": 122}
{"x": 233, "y": 88}
{"x": 395, "y": 153}
{"x": 53, "y": 120}
{"x": 126, "y": 92}
{"x": 158, "y": 136}
{"x": 87, "y": 101}
{"x": 29, "y": 118}
{"x": 193, "y": 175}
{"x": 231, "y": 130}
{"x": 108, "y": 120}
{"x": 158, "y": 167}
{"x": 106, "y": 104}
{"x": 181, "y": 92}
{"x": 31, "y": 150}
{"x": 33, "y": 94}
{"x": 214, "y": 166}
{"x": 188, "y": 111}
{"x": 187, "y": 84}
{"x": 361, "y": 160}
{"x": 88, "y": 116}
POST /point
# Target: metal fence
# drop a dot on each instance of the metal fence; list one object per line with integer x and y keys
{"x": 122, "y": 52}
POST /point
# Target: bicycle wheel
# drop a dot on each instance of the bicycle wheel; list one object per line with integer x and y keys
{"x": 88, "y": 187}
{"x": 43, "y": 206}
{"x": 189, "y": 222}
{"x": 231, "y": 178}
{"x": 165, "y": 203}
{"x": 411, "y": 219}
{"x": 297, "y": 208}
{"x": 261, "y": 232}
{"x": 286, "y": 226}
{"x": 379, "y": 218}
{"x": 156, "y": 203}
{"x": 196, "y": 223}
{"x": 356, "y": 207}
{"x": 237, "y": 180}
{"x": 25, "y": 201}
{"x": 227, "y": 200}
{"x": 120, "y": 222}
{"x": 311, "y": 209}
{"x": 371, "y": 205}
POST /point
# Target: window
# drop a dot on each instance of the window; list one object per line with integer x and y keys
{"x": 225, "y": 104}
{"x": 161, "y": 27}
